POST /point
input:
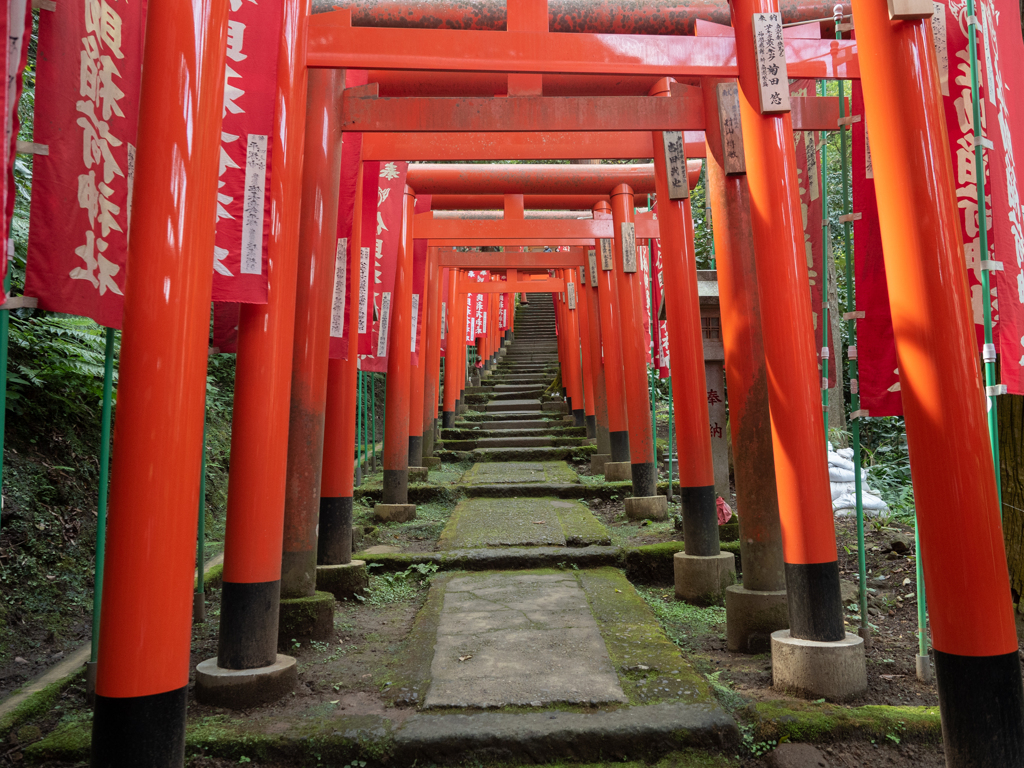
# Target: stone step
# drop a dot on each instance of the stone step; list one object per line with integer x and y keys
{"x": 553, "y": 453}
{"x": 513, "y": 405}
{"x": 555, "y": 430}
{"x": 513, "y": 387}
{"x": 509, "y": 442}
{"x": 514, "y": 424}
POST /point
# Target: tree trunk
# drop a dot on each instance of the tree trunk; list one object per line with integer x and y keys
{"x": 1011, "y": 457}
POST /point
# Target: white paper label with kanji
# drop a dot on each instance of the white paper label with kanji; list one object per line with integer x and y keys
{"x": 731, "y": 128}
{"x": 607, "y": 257}
{"x": 415, "y": 319}
{"x": 770, "y": 51}
{"x": 444, "y": 318}
{"x": 941, "y": 46}
{"x": 385, "y": 324}
{"x": 592, "y": 258}
{"x": 628, "y": 246}
{"x": 252, "y": 204}
{"x": 364, "y": 288}
{"x": 571, "y": 290}
{"x": 675, "y": 164}
{"x": 338, "y": 302}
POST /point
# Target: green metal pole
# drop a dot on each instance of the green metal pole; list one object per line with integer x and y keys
{"x": 101, "y": 506}
{"x": 992, "y": 390}
{"x": 924, "y": 671}
{"x": 826, "y": 254}
{"x": 373, "y": 416}
{"x": 383, "y": 414}
{"x": 359, "y": 431}
{"x": 851, "y": 330}
{"x": 199, "y": 599}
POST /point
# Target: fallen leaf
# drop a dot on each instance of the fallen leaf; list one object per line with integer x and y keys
{"x": 463, "y": 658}
{"x": 618, "y": 590}
{"x": 889, "y": 677}
{"x": 538, "y": 522}
{"x": 335, "y": 701}
{"x": 367, "y": 675}
{"x": 19, "y": 660}
{"x": 642, "y": 667}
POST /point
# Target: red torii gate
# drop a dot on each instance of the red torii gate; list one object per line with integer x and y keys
{"x": 141, "y": 687}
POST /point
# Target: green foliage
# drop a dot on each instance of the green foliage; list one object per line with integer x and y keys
{"x": 397, "y": 587}
{"x": 682, "y": 621}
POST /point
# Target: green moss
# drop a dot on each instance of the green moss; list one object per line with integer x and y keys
{"x": 649, "y": 665}
{"x": 67, "y": 742}
{"x": 545, "y": 521}
{"x": 519, "y": 473}
{"x": 812, "y": 722}
{"x": 213, "y": 577}
{"x": 37, "y": 704}
{"x": 652, "y": 563}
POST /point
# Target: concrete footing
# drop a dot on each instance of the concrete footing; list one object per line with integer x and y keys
{"x": 432, "y": 462}
{"x": 305, "y": 618}
{"x": 924, "y": 669}
{"x": 343, "y": 581}
{"x": 647, "y": 507}
{"x": 751, "y": 616}
{"x": 418, "y": 474}
{"x": 702, "y": 580}
{"x": 245, "y": 688}
{"x": 833, "y": 670}
{"x": 462, "y": 408}
{"x": 618, "y": 470}
{"x": 394, "y": 513}
{"x": 597, "y": 462}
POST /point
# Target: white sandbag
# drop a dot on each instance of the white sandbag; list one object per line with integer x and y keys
{"x": 846, "y": 453}
{"x": 840, "y": 475}
{"x": 839, "y": 489}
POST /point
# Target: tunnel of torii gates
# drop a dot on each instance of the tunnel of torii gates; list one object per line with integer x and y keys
{"x": 595, "y": 84}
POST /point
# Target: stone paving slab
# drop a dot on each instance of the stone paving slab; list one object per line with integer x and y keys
{"x": 524, "y": 639}
{"x": 521, "y": 522}
{"x": 519, "y": 473}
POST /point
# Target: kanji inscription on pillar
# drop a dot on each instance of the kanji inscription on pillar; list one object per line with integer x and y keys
{"x": 628, "y": 246}
{"x": 714, "y": 375}
{"x": 675, "y": 164}
{"x": 385, "y": 324}
{"x": 571, "y": 293}
{"x": 592, "y": 259}
{"x": 941, "y": 47}
{"x": 731, "y": 128}
{"x": 340, "y": 288}
{"x": 770, "y": 50}
{"x": 607, "y": 259}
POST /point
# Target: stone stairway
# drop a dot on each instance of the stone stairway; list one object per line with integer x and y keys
{"x": 515, "y": 414}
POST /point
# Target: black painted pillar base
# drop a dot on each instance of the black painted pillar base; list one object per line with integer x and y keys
{"x": 645, "y": 479}
{"x": 815, "y": 601}
{"x": 620, "y": 445}
{"x": 568, "y": 403}
{"x": 248, "y": 624}
{"x": 579, "y": 417}
{"x": 140, "y": 731}
{"x": 334, "y": 538}
{"x": 415, "y": 450}
{"x": 448, "y": 419}
{"x": 981, "y": 701}
{"x": 396, "y": 486}
{"x": 591, "y": 426}
{"x": 700, "y": 520}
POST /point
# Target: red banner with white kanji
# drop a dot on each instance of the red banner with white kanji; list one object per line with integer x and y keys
{"x": 243, "y": 185}
{"x": 88, "y": 71}
{"x": 951, "y": 48}
{"x": 383, "y": 203}
{"x": 445, "y": 311}
{"x": 661, "y": 351}
{"x": 1004, "y": 103}
{"x": 878, "y": 370}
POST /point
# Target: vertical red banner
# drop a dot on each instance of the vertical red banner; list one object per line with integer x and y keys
{"x": 661, "y": 358}
{"x": 88, "y": 71}
{"x": 383, "y": 205}
{"x": 243, "y": 187}
{"x": 1004, "y": 102}
{"x": 878, "y": 374}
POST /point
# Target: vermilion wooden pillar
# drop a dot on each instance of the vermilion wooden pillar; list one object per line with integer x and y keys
{"x": 634, "y": 358}
{"x": 584, "y": 321}
{"x": 396, "y": 404}
{"x": 337, "y": 482}
{"x": 313, "y": 296}
{"x": 432, "y": 344}
{"x": 596, "y": 358}
{"x": 689, "y": 389}
{"x": 970, "y": 605}
{"x": 611, "y": 344}
{"x": 417, "y": 384}
{"x": 801, "y": 469}
{"x": 143, "y": 670}
{"x": 749, "y": 419}
{"x": 572, "y": 347}
{"x": 453, "y": 350}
